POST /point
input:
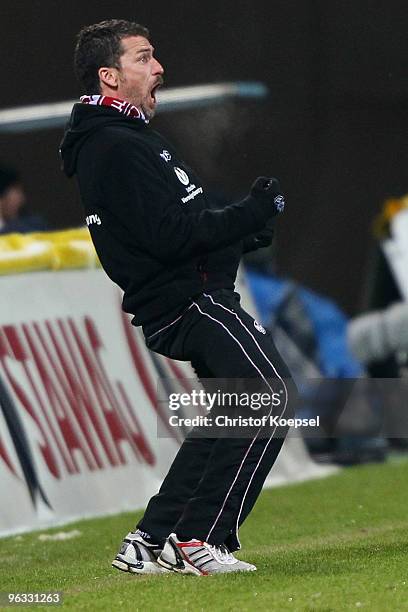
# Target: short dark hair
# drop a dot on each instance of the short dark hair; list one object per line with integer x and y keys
{"x": 99, "y": 45}
{"x": 8, "y": 178}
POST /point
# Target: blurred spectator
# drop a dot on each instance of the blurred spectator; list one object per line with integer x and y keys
{"x": 12, "y": 203}
{"x": 379, "y": 336}
{"x": 311, "y": 333}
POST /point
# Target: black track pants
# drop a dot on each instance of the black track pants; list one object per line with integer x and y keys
{"x": 213, "y": 483}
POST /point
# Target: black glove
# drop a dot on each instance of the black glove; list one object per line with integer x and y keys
{"x": 268, "y": 191}
{"x": 261, "y": 239}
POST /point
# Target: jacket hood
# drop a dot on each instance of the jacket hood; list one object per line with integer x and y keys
{"x": 85, "y": 120}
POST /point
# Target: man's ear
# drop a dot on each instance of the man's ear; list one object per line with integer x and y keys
{"x": 108, "y": 77}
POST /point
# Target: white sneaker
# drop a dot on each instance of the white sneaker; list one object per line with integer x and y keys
{"x": 138, "y": 556}
{"x": 199, "y": 558}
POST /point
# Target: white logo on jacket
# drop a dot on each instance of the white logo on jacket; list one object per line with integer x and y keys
{"x": 181, "y": 175}
{"x": 165, "y": 155}
{"x": 259, "y": 327}
{"x": 90, "y": 219}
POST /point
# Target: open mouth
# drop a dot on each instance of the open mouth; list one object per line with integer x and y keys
{"x": 154, "y": 92}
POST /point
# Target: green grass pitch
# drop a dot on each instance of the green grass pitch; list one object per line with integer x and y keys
{"x": 335, "y": 544}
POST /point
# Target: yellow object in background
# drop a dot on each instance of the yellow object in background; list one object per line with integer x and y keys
{"x": 391, "y": 207}
{"x": 60, "y": 250}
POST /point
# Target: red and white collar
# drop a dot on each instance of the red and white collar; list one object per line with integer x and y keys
{"x": 126, "y": 108}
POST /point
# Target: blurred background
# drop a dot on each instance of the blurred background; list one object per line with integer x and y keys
{"x": 333, "y": 128}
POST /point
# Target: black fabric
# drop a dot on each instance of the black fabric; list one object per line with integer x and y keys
{"x": 221, "y": 341}
{"x": 169, "y": 245}
{"x": 159, "y": 249}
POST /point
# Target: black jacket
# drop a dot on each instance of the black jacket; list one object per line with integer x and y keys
{"x": 157, "y": 234}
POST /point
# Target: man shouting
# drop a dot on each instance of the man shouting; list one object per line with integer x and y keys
{"x": 175, "y": 254}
